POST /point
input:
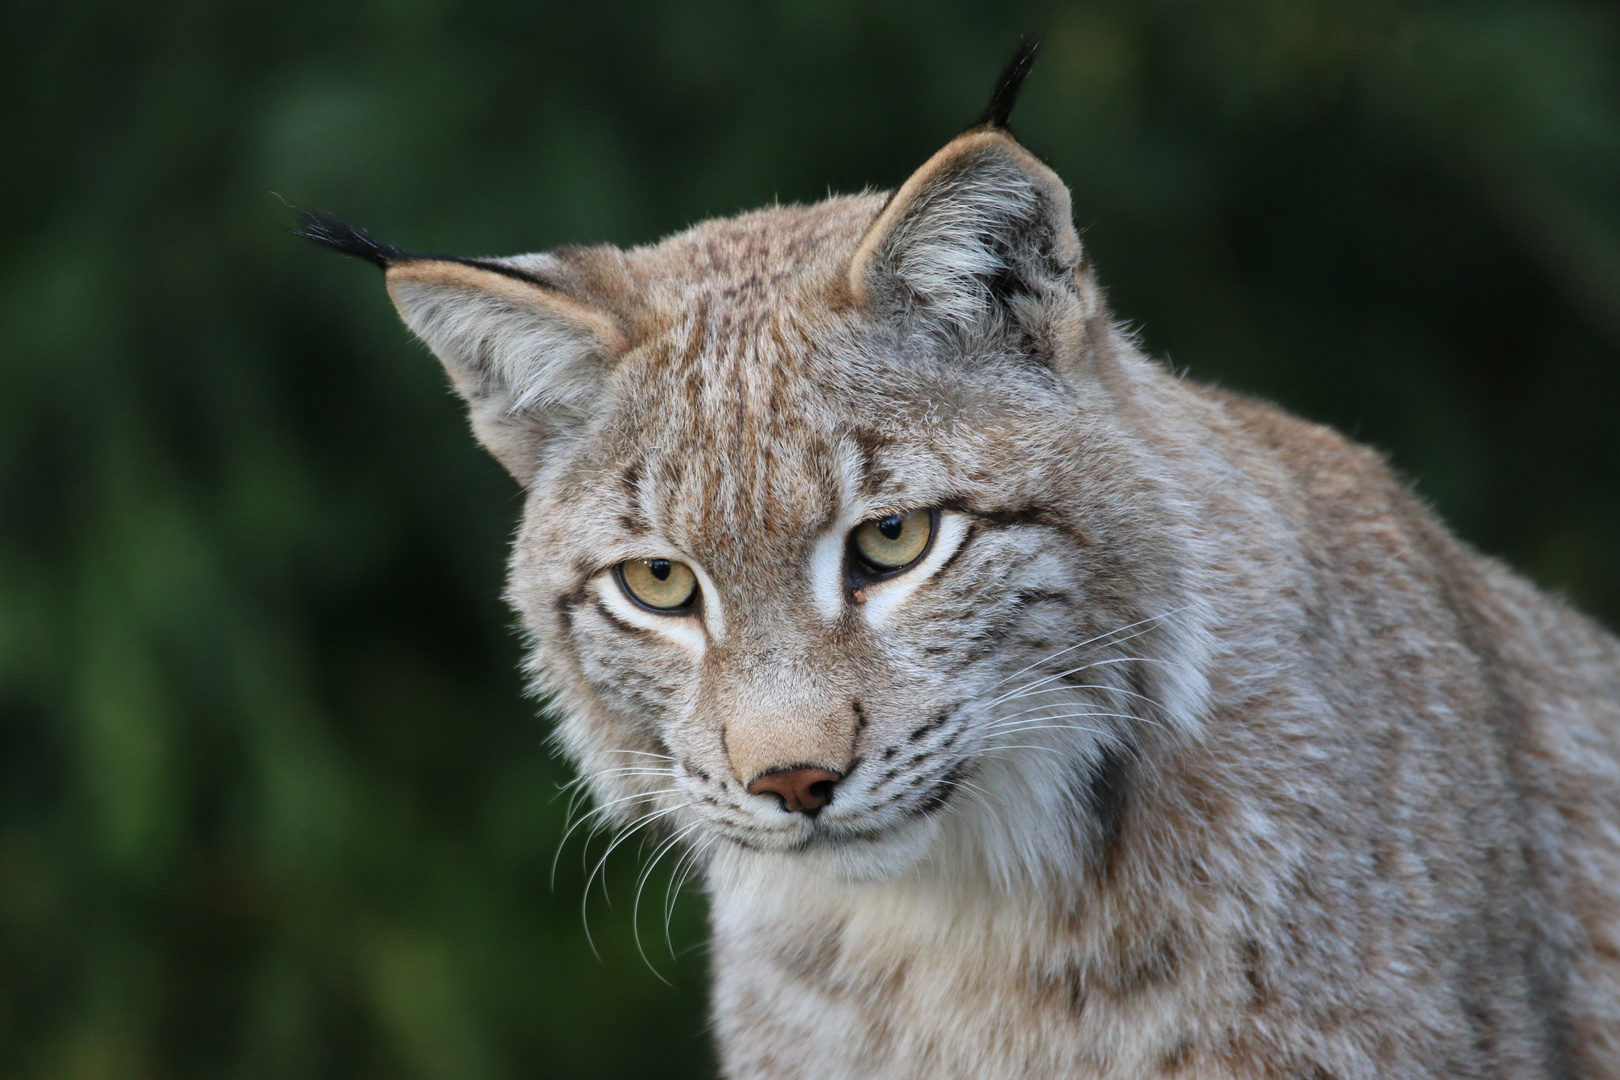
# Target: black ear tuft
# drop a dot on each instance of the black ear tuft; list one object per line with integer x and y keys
{"x": 346, "y": 239}
{"x": 1005, "y": 95}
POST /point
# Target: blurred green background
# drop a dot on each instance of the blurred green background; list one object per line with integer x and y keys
{"x": 271, "y": 802}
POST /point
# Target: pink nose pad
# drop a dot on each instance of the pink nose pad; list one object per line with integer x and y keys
{"x": 802, "y": 789}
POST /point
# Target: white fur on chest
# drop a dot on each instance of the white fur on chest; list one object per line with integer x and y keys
{"x": 922, "y": 977}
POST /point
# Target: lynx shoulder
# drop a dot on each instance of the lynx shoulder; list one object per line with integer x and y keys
{"x": 1031, "y": 712}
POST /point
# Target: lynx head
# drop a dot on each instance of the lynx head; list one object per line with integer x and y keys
{"x": 838, "y": 547}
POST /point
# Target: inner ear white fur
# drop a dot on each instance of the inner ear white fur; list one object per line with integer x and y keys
{"x": 981, "y": 208}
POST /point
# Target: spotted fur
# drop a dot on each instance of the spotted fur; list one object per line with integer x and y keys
{"x": 1194, "y": 747}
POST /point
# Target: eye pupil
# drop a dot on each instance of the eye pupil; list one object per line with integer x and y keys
{"x": 894, "y": 541}
{"x": 660, "y": 584}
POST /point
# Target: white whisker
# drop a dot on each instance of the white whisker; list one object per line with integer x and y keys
{"x": 624, "y": 834}
{"x": 1020, "y": 729}
{"x": 695, "y": 856}
{"x": 1145, "y": 623}
{"x": 1018, "y": 691}
{"x": 1012, "y": 718}
{"x": 597, "y": 812}
{"x": 641, "y": 884}
{"x": 1086, "y": 686}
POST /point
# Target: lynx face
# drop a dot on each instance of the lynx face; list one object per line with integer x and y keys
{"x": 862, "y": 570}
{"x": 834, "y": 544}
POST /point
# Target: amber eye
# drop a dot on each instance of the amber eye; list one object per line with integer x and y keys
{"x": 660, "y": 584}
{"x": 894, "y": 541}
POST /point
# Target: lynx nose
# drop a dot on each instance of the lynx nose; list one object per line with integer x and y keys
{"x": 803, "y": 788}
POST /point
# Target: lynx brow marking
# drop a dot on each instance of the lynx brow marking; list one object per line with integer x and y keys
{"x": 826, "y": 570}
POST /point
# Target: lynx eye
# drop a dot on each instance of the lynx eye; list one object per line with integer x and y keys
{"x": 894, "y": 541}
{"x": 659, "y": 584}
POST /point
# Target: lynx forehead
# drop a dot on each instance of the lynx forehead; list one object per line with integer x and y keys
{"x": 1030, "y": 712}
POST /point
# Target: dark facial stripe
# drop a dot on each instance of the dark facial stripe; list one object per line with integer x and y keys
{"x": 941, "y": 792}
{"x": 1005, "y": 517}
{"x": 641, "y": 633}
{"x": 966, "y": 542}
{"x": 1104, "y": 797}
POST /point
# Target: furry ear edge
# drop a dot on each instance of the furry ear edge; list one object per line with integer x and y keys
{"x": 981, "y": 211}
{"x": 528, "y": 360}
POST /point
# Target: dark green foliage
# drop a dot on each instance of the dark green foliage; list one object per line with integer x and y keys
{"x": 271, "y": 804}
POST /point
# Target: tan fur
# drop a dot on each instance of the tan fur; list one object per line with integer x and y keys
{"x": 782, "y": 737}
{"x": 1196, "y": 747}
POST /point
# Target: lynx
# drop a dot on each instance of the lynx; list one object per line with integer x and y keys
{"x": 1029, "y": 711}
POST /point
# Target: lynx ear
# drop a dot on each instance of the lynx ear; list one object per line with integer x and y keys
{"x": 519, "y": 337}
{"x": 983, "y": 224}
{"x": 529, "y": 360}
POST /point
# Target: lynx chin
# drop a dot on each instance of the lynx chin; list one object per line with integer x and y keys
{"x": 1027, "y": 710}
